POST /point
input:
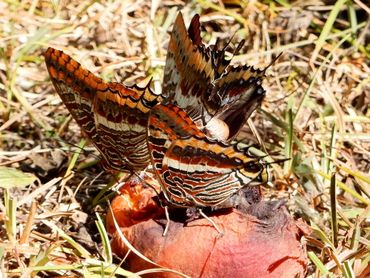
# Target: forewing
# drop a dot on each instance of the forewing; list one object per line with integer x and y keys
{"x": 188, "y": 72}
{"x": 113, "y": 116}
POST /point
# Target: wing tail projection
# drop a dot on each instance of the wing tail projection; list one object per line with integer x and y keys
{"x": 112, "y": 115}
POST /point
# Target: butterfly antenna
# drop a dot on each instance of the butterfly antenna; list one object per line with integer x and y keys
{"x": 215, "y": 47}
{"x": 236, "y": 50}
{"x": 272, "y": 62}
{"x": 239, "y": 46}
{"x": 278, "y": 161}
{"x": 228, "y": 43}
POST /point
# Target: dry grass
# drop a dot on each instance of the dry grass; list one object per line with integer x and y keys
{"x": 317, "y": 112}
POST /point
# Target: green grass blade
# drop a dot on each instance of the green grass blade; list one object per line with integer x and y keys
{"x": 107, "y": 251}
{"x": 82, "y": 251}
{"x": 288, "y": 150}
{"x": 209, "y": 5}
{"x": 10, "y": 222}
{"x": 347, "y": 270}
{"x": 333, "y": 205}
{"x": 317, "y": 262}
{"x": 327, "y": 27}
{"x": 346, "y": 188}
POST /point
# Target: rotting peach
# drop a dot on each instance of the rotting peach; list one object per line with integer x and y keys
{"x": 261, "y": 241}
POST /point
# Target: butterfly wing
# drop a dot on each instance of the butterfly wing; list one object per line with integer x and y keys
{"x": 193, "y": 170}
{"x": 199, "y": 80}
{"x": 113, "y": 116}
{"x": 235, "y": 96}
{"x": 188, "y": 71}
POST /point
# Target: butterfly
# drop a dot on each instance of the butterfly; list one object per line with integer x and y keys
{"x": 185, "y": 133}
{"x": 113, "y": 116}
{"x": 197, "y": 164}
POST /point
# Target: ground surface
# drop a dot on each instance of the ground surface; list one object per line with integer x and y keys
{"x": 316, "y": 111}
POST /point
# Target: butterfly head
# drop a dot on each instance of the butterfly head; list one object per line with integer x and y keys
{"x": 258, "y": 171}
{"x": 265, "y": 175}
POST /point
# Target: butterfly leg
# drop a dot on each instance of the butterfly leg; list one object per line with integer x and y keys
{"x": 220, "y": 232}
{"x": 168, "y": 221}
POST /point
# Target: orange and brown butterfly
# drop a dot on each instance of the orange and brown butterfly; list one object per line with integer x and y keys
{"x": 178, "y": 130}
{"x": 112, "y": 115}
{"x": 196, "y": 164}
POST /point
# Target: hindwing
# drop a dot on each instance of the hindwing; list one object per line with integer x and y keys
{"x": 199, "y": 80}
{"x": 194, "y": 170}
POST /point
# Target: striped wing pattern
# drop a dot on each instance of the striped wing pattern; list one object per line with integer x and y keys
{"x": 200, "y": 80}
{"x": 113, "y": 116}
{"x": 193, "y": 169}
